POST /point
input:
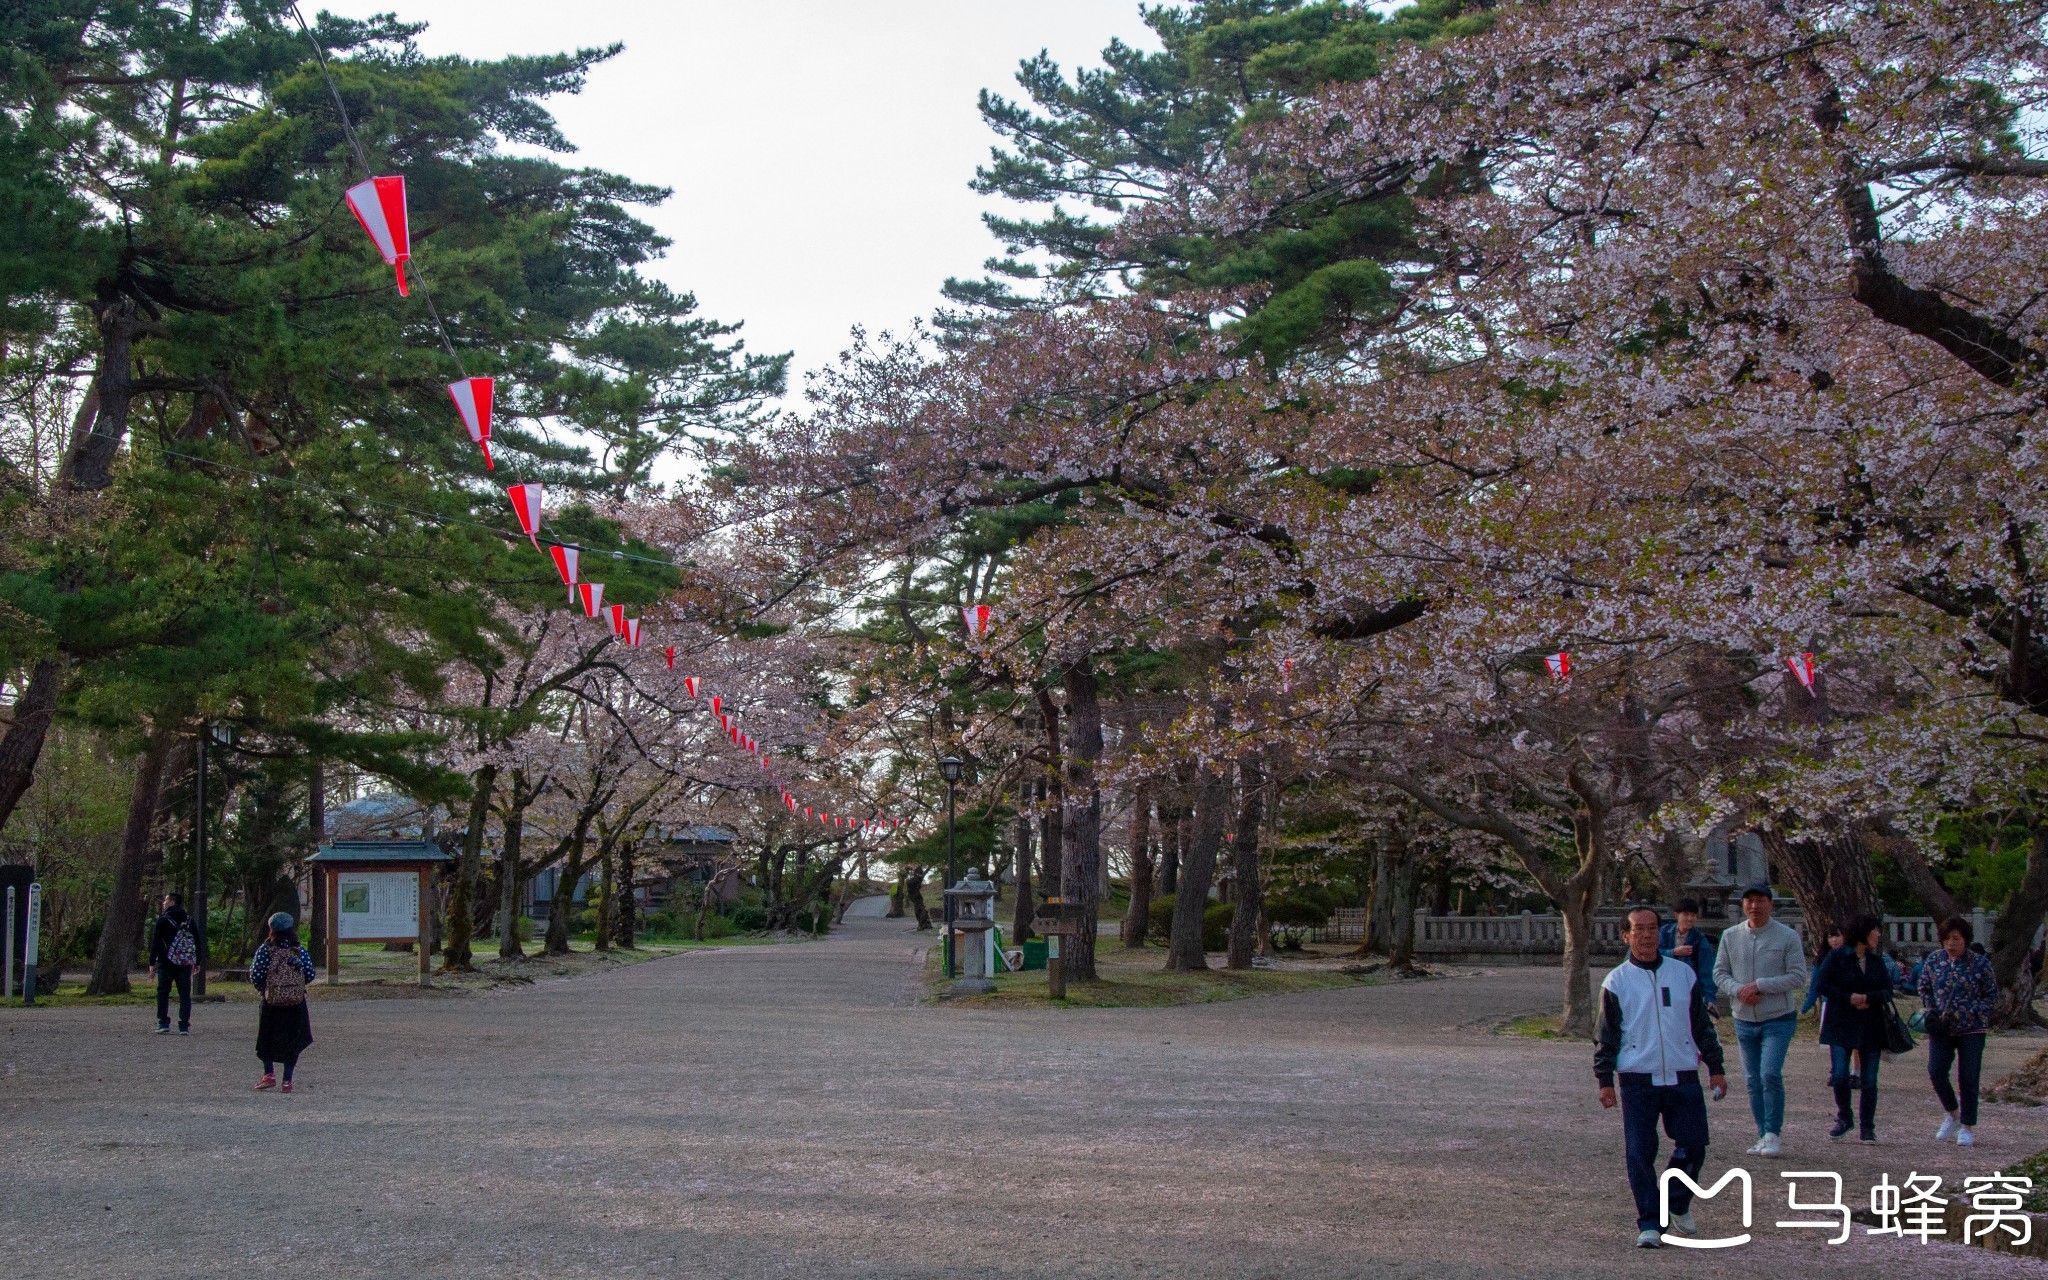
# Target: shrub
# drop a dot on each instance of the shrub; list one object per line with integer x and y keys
{"x": 1215, "y": 923}
{"x": 1298, "y": 910}
{"x": 715, "y": 926}
{"x": 748, "y": 919}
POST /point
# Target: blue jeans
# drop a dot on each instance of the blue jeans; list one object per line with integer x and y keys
{"x": 1763, "y": 1047}
{"x": 1683, "y": 1109}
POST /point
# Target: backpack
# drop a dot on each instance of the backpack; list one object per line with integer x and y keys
{"x": 285, "y": 984}
{"x": 184, "y": 949}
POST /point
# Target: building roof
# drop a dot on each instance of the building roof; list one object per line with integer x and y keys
{"x": 380, "y": 851}
{"x": 701, "y": 833}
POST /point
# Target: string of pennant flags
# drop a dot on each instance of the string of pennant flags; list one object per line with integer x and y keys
{"x": 1802, "y": 666}
{"x": 379, "y": 205}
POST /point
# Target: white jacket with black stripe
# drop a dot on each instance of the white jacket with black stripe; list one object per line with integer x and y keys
{"x": 1653, "y": 1023}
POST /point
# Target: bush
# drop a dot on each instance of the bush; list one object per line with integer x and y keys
{"x": 1297, "y": 910}
{"x": 747, "y": 919}
{"x": 715, "y": 926}
{"x": 1215, "y": 923}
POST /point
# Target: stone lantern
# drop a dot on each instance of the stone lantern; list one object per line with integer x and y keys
{"x": 973, "y": 902}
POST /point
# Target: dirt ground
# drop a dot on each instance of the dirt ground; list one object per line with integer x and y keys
{"x": 800, "y": 1111}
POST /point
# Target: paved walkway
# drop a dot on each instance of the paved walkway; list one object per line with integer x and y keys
{"x": 792, "y": 1111}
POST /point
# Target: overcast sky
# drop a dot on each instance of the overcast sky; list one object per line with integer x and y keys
{"x": 819, "y": 150}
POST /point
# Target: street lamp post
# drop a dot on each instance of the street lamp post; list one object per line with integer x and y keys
{"x": 949, "y": 767}
{"x": 199, "y": 876}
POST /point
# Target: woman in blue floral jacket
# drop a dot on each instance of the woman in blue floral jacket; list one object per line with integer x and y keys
{"x": 1956, "y": 990}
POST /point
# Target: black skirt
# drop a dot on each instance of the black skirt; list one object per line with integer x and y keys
{"x": 283, "y": 1032}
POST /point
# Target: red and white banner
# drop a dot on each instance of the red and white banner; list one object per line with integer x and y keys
{"x": 592, "y": 596}
{"x": 379, "y": 204}
{"x": 567, "y": 561}
{"x": 1560, "y": 665}
{"x": 631, "y": 631}
{"x": 976, "y": 618}
{"x": 690, "y": 684}
{"x": 472, "y": 397}
{"x": 670, "y": 654}
{"x": 1803, "y": 671}
{"x": 1286, "y": 675}
{"x": 526, "y": 504}
{"x": 716, "y": 703}
{"x": 615, "y": 618}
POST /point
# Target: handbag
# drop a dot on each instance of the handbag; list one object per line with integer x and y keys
{"x": 1897, "y": 1039}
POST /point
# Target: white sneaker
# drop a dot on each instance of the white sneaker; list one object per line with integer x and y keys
{"x": 1769, "y": 1146}
{"x": 1964, "y": 1138}
{"x": 1757, "y": 1148}
{"x": 1948, "y": 1129}
{"x": 1649, "y": 1238}
{"x": 1683, "y": 1224}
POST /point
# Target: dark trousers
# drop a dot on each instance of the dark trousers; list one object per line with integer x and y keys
{"x": 1855, "y": 1076}
{"x": 291, "y": 1064}
{"x": 1682, "y": 1108}
{"x": 181, "y": 974}
{"x": 1967, "y": 1053}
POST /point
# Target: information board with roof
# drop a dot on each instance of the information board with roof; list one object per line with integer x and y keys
{"x": 378, "y": 891}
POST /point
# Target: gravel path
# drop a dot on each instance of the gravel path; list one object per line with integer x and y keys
{"x": 793, "y": 1111}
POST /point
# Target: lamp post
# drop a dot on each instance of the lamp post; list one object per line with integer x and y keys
{"x": 950, "y": 769}
{"x": 199, "y": 864}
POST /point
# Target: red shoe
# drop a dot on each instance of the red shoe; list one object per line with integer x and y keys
{"x": 286, "y": 1087}
{"x": 267, "y": 1082}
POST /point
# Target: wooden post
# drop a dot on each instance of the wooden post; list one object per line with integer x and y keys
{"x": 426, "y": 933}
{"x": 333, "y": 927}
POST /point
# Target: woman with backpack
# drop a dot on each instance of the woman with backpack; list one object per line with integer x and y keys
{"x": 280, "y": 971}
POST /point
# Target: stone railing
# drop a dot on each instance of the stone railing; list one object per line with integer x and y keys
{"x": 1531, "y": 935}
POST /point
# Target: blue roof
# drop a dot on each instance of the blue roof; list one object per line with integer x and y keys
{"x": 380, "y": 851}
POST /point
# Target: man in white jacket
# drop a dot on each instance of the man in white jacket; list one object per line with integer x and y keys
{"x": 1654, "y": 1033}
{"x": 1759, "y": 971}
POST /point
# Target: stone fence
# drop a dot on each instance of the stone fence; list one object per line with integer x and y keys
{"x": 1539, "y": 939}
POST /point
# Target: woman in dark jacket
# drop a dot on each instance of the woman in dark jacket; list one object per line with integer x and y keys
{"x": 280, "y": 971}
{"x": 1957, "y": 989}
{"x": 1857, "y": 988}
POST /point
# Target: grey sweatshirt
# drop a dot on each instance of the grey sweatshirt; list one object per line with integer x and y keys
{"x": 1772, "y": 958}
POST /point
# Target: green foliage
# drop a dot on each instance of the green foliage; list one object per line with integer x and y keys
{"x": 1215, "y": 923}
{"x": 1297, "y": 912}
{"x": 744, "y": 919}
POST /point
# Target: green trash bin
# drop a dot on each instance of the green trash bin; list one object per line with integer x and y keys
{"x": 1034, "y": 954}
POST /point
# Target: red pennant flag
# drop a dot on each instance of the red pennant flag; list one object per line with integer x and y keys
{"x": 632, "y": 632}
{"x": 592, "y": 595}
{"x": 472, "y": 397}
{"x": 807, "y": 811}
{"x": 789, "y": 800}
{"x": 1803, "y": 671}
{"x": 1286, "y": 674}
{"x": 690, "y": 684}
{"x": 976, "y": 618}
{"x": 379, "y": 204}
{"x": 1560, "y": 665}
{"x": 670, "y": 654}
{"x": 526, "y": 504}
{"x": 567, "y": 560}
{"x": 716, "y": 702}
{"x": 615, "y": 615}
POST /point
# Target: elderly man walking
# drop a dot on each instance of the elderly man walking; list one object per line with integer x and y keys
{"x": 1760, "y": 970}
{"x": 1654, "y": 1033}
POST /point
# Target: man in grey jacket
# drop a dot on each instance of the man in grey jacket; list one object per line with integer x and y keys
{"x": 1759, "y": 971}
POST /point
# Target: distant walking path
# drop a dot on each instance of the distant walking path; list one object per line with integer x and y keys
{"x": 794, "y": 1111}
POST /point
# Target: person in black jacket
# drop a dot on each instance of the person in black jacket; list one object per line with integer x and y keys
{"x": 173, "y": 950}
{"x": 1858, "y": 990}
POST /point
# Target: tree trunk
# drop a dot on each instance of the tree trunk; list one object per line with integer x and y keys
{"x": 897, "y": 898}
{"x": 316, "y": 823}
{"x": 1171, "y": 848}
{"x": 1191, "y": 895}
{"x": 1250, "y": 898}
{"x": 1051, "y": 855}
{"x": 116, "y": 954}
{"x": 2012, "y": 936}
{"x": 455, "y": 948}
{"x": 1582, "y": 891}
{"x": 607, "y": 880}
{"x": 1401, "y": 912}
{"x": 26, "y": 732}
{"x": 1138, "y": 915}
{"x": 1831, "y": 877}
{"x": 508, "y": 876}
{"x": 559, "y": 910}
{"x": 1390, "y": 915}
{"x": 1081, "y": 851}
{"x": 1920, "y": 877}
{"x": 626, "y": 916}
{"x": 1675, "y": 864}
{"x": 88, "y": 464}
{"x": 1027, "y": 904}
